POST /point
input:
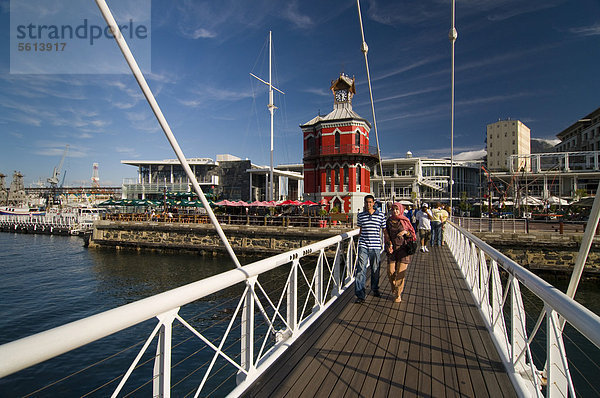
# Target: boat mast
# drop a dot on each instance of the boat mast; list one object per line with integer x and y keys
{"x": 452, "y": 36}
{"x": 272, "y": 107}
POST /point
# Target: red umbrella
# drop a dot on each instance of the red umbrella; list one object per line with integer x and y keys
{"x": 289, "y": 203}
{"x": 308, "y": 203}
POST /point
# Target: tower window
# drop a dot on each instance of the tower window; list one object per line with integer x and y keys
{"x": 337, "y": 140}
{"x": 346, "y": 175}
{"x": 357, "y": 139}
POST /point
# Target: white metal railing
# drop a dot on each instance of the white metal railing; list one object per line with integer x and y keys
{"x": 503, "y": 311}
{"x": 319, "y": 274}
{"x": 478, "y": 224}
{"x": 56, "y": 220}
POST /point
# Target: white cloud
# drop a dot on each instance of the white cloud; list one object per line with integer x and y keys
{"x": 318, "y": 91}
{"x": 551, "y": 141}
{"x": 292, "y": 14}
{"x": 54, "y": 149}
{"x": 519, "y": 8}
{"x": 593, "y": 30}
{"x": 209, "y": 94}
{"x": 471, "y": 155}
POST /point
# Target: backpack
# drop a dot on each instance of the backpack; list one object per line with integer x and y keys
{"x": 412, "y": 216}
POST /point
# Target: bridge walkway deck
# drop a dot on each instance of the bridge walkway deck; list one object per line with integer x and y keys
{"x": 432, "y": 344}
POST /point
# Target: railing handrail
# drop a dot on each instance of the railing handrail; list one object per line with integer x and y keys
{"x": 581, "y": 318}
{"x": 28, "y": 351}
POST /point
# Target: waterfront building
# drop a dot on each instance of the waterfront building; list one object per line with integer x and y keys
{"x": 229, "y": 177}
{"x": 337, "y": 156}
{"x": 565, "y": 175}
{"x": 421, "y": 179}
{"x": 583, "y": 135}
{"x": 506, "y": 138}
{"x": 16, "y": 195}
{"x": 3, "y": 191}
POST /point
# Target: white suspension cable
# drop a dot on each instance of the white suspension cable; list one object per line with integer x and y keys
{"x": 110, "y": 20}
{"x": 452, "y": 36}
{"x": 365, "y": 49}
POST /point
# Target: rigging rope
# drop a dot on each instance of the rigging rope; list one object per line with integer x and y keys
{"x": 365, "y": 49}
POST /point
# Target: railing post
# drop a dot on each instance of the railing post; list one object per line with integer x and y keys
{"x": 484, "y": 286}
{"x": 337, "y": 272}
{"x": 518, "y": 326}
{"x": 557, "y": 368}
{"x": 292, "y": 298}
{"x": 247, "y": 332}
{"x": 161, "y": 386}
{"x": 349, "y": 260}
{"x": 318, "y": 278}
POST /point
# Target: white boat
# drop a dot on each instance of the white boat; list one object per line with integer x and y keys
{"x": 20, "y": 211}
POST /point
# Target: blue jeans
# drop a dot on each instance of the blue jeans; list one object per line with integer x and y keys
{"x": 366, "y": 256}
{"x": 436, "y": 233}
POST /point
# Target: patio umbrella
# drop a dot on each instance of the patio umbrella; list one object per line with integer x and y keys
{"x": 109, "y": 202}
{"x": 289, "y": 203}
{"x": 308, "y": 203}
{"x": 555, "y": 200}
{"x": 531, "y": 201}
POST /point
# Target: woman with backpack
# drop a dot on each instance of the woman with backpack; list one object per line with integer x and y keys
{"x": 400, "y": 238}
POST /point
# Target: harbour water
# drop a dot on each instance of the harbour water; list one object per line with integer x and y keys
{"x": 48, "y": 281}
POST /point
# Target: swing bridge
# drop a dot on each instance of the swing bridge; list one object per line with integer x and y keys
{"x": 472, "y": 322}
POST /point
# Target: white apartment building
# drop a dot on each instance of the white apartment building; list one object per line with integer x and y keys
{"x": 506, "y": 138}
{"x": 423, "y": 179}
{"x": 583, "y": 135}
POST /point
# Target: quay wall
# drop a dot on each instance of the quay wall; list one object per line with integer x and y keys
{"x": 538, "y": 251}
{"x": 245, "y": 239}
{"x": 544, "y": 251}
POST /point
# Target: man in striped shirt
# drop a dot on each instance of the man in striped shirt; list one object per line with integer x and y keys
{"x": 371, "y": 221}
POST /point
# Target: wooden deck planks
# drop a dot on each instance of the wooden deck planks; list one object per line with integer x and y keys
{"x": 434, "y": 343}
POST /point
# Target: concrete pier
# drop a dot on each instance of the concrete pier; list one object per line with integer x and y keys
{"x": 246, "y": 239}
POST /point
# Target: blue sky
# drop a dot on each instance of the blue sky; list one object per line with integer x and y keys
{"x": 535, "y": 61}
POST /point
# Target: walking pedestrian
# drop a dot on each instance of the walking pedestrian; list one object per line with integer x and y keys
{"x": 436, "y": 224}
{"x": 424, "y": 219}
{"x": 370, "y": 221}
{"x": 397, "y": 234}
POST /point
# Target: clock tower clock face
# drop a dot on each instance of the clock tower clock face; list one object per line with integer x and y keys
{"x": 341, "y": 95}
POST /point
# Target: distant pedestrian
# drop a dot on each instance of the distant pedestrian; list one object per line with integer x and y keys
{"x": 412, "y": 216}
{"x": 424, "y": 219}
{"x": 397, "y": 234}
{"x": 370, "y": 221}
{"x": 446, "y": 211}
{"x": 436, "y": 224}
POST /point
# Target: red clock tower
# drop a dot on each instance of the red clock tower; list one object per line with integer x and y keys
{"x": 337, "y": 155}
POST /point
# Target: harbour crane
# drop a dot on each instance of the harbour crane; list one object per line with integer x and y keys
{"x": 54, "y": 180}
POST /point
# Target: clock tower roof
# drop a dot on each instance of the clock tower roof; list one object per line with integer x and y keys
{"x": 344, "y": 82}
{"x": 343, "y": 89}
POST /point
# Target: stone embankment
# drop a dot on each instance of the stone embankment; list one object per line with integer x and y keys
{"x": 202, "y": 238}
{"x": 544, "y": 251}
{"x": 537, "y": 251}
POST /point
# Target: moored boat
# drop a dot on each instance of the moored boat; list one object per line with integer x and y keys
{"x": 21, "y": 211}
